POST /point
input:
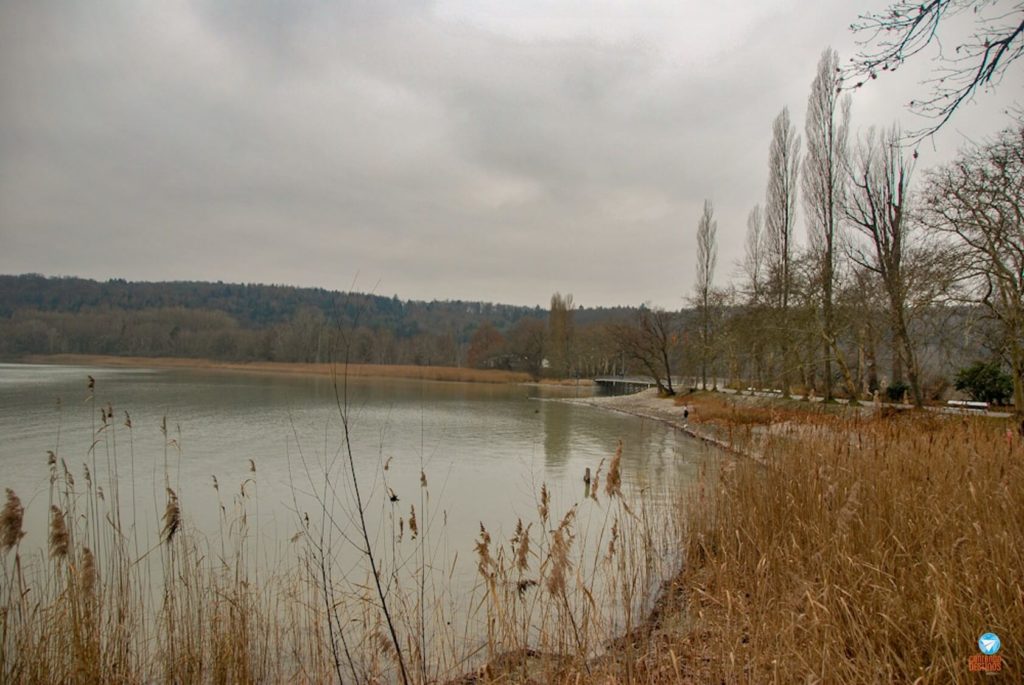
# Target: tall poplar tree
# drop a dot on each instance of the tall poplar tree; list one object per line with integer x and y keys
{"x": 707, "y": 256}
{"x": 780, "y": 215}
{"x": 827, "y": 129}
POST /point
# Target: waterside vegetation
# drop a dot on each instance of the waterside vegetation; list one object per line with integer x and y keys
{"x": 830, "y": 543}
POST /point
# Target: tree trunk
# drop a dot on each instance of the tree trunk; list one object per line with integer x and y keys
{"x": 1017, "y": 368}
{"x": 668, "y": 372}
{"x": 851, "y": 383}
{"x": 905, "y": 353}
{"x": 829, "y": 326}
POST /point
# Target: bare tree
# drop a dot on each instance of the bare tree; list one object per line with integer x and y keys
{"x": 731, "y": 342}
{"x": 877, "y": 207}
{"x": 802, "y": 320}
{"x": 526, "y": 344}
{"x": 754, "y": 254}
{"x": 827, "y": 128}
{"x": 979, "y": 199}
{"x": 907, "y": 27}
{"x": 486, "y": 347}
{"x": 747, "y": 326}
{"x": 651, "y": 341}
{"x": 707, "y": 256}
{"x": 780, "y": 214}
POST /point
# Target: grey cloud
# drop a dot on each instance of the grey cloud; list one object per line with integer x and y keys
{"x": 306, "y": 142}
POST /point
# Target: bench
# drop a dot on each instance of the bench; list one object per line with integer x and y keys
{"x": 967, "y": 404}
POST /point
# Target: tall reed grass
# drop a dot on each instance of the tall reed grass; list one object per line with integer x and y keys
{"x": 864, "y": 548}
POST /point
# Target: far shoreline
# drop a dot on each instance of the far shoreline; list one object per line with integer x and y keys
{"x": 406, "y": 372}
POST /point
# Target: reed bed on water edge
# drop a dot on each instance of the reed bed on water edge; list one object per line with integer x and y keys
{"x": 858, "y": 547}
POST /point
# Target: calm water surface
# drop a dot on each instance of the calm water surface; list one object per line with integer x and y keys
{"x": 485, "y": 449}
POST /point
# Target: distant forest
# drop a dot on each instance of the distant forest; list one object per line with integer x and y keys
{"x": 247, "y": 322}
{"x": 250, "y": 322}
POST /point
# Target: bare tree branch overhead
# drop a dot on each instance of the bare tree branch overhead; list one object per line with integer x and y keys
{"x": 904, "y": 29}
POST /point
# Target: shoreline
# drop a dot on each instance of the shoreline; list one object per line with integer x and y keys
{"x": 669, "y": 612}
{"x": 405, "y": 372}
{"x": 647, "y": 404}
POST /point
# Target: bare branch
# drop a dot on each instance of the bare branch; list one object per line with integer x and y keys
{"x": 904, "y": 29}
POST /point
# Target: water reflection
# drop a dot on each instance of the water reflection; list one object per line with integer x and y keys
{"x": 556, "y": 433}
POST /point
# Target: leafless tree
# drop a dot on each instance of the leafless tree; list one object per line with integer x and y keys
{"x": 863, "y": 303}
{"x": 747, "y": 305}
{"x": 707, "y": 256}
{"x": 526, "y": 344}
{"x": 827, "y": 128}
{"x": 979, "y": 199}
{"x": 803, "y": 321}
{"x": 651, "y": 341}
{"x": 754, "y": 254}
{"x": 907, "y": 27}
{"x": 877, "y": 206}
{"x": 780, "y": 214}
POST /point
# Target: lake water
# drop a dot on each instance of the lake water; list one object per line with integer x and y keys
{"x": 484, "y": 450}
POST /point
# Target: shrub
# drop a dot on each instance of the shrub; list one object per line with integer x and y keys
{"x": 896, "y": 391}
{"x": 985, "y": 382}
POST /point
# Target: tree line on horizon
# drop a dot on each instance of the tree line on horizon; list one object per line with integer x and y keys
{"x": 229, "y": 322}
{"x": 247, "y": 322}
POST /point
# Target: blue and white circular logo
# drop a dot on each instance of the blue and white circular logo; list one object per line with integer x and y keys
{"x": 989, "y": 643}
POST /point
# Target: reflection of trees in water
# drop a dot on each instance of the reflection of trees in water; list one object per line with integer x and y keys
{"x": 655, "y": 457}
{"x": 679, "y": 457}
{"x": 646, "y": 448}
{"x": 556, "y": 433}
{"x": 659, "y": 458}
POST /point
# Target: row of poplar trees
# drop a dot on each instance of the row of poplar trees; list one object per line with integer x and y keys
{"x": 882, "y": 255}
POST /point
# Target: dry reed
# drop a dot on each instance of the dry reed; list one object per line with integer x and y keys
{"x": 411, "y": 372}
{"x": 872, "y": 549}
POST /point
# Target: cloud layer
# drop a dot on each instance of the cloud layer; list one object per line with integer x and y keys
{"x": 453, "y": 150}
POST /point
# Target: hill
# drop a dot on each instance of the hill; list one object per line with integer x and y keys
{"x": 246, "y": 321}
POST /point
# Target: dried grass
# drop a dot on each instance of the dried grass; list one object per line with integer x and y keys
{"x": 429, "y": 373}
{"x": 870, "y": 550}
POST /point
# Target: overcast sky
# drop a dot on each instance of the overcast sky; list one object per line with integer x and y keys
{"x": 467, "y": 149}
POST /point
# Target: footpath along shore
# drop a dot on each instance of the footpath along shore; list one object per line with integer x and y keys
{"x": 743, "y": 424}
